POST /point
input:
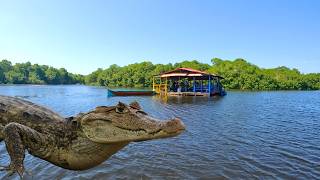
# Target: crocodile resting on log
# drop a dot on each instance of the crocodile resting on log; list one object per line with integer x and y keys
{"x": 75, "y": 143}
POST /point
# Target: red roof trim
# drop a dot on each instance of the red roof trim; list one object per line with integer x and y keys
{"x": 187, "y": 69}
{"x": 190, "y": 71}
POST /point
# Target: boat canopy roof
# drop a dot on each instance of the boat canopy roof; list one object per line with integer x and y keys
{"x": 187, "y": 72}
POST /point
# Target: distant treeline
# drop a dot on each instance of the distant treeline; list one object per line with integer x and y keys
{"x": 238, "y": 74}
{"x": 27, "y": 73}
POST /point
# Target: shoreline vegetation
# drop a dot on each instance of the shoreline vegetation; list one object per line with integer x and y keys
{"x": 239, "y": 75}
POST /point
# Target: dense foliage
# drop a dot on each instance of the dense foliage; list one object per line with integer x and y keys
{"x": 136, "y": 75}
{"x": 242, "y": 75}
{"x": 238, "y": 74}
{"x": 27, "y": 73}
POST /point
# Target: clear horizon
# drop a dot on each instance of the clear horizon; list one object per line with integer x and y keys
{"x": 82, "y": 36}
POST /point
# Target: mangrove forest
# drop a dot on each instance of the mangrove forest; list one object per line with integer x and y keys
{"x": 238, "y": 74}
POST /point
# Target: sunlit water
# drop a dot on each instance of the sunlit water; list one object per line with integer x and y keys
{"x": 243, "y": 135}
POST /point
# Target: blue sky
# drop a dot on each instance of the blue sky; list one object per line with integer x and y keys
{"x": 85, "y": 35}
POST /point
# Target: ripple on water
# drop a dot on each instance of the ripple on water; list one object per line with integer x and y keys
{"x": 244, "y": 135}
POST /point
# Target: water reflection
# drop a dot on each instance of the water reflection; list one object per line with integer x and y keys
{"x": 185, "y": 99}
{"x": 245, "y": 135}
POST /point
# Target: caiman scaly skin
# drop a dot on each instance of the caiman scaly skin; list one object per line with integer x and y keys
{"x": 75, "y": 143}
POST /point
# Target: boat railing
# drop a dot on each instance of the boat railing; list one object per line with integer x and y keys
{"x": 160, "y": 89}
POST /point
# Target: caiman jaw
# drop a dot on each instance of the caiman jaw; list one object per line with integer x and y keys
{"x": 105, "y": 132}
{"x": 166, "y": 129}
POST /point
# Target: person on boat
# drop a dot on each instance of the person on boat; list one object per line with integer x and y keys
{"x": 186, "y": 85}
{"x": 179, "y": 88}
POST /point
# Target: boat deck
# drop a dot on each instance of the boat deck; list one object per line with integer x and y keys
{"x": 190, "y": 94}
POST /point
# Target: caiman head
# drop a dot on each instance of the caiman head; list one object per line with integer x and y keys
{"x": 126, "y": 123}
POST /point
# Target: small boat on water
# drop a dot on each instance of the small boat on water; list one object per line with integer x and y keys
{"x": 130, "y": 92}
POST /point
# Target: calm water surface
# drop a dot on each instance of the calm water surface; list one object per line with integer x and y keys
{"x": 243, "y": 135}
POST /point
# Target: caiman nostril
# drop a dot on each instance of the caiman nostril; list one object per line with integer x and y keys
{"x": 174, "y": 125}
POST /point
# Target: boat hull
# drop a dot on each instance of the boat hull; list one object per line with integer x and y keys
{"x": 130, "y": 93}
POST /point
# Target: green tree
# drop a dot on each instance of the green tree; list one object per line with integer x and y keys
{"x": 52, "y": 76}
{"x": 5, "y": 66}
{"x": 15, "y": 77}
{"x": 194, "y": 64}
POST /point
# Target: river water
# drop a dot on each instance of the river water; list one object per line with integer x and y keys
{"x": 244, "y": 135}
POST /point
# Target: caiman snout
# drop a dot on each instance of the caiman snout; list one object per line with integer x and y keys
{"x": 173, "y": 126}
{"x": 124, "y": 123}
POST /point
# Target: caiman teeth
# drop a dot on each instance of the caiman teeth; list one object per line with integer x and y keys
{"x": 132, "y": 130}
{"x": 155, "y": 132}
{"x": 139, "y": 130}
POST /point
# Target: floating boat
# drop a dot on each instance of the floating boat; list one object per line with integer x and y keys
{"x": 130, "y": 93}
{"x": 188, "y": 82}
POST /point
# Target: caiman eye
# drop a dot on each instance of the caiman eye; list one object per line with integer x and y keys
{"x": 121, "y": 110}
